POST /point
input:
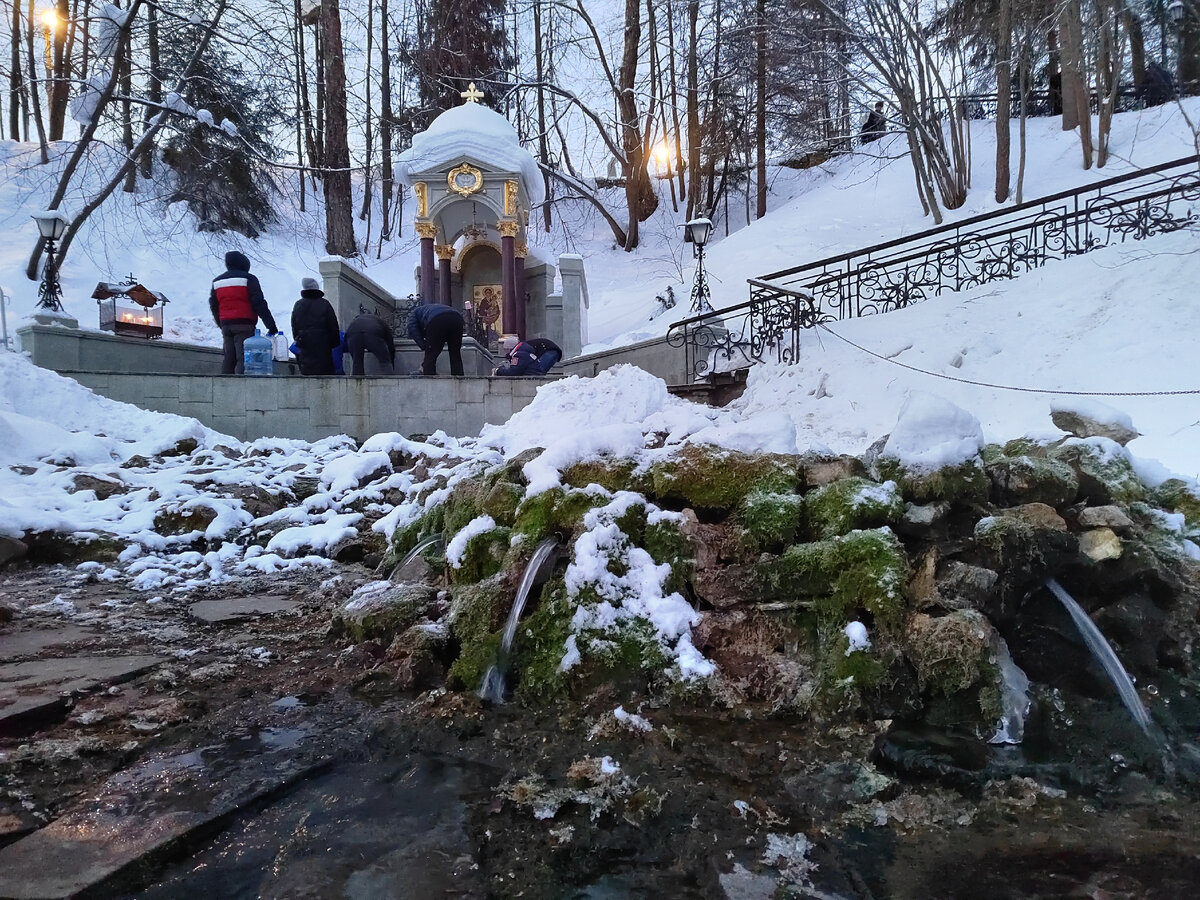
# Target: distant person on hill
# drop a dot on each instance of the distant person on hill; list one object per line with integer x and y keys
{"x": 532, "y": 357}
{"x": 1157, "y": 87}
{"x": 368, "y": 332}
{"x": 237, "y": 303}
{"x": 874, "y": 126}
{"x": 315, "y": 329}
{"x": 434, "y": 326}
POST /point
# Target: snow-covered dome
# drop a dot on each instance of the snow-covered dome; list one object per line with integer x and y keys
{"x": 474, "y": 130}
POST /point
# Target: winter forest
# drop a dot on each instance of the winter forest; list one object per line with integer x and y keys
{"x": 685, "y": 102}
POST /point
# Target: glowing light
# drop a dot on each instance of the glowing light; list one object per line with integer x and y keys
{"x": 662, "y": 153}
{"x": 49, "y": 19}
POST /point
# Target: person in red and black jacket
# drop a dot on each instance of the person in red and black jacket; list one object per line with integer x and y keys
{"x": 237, "y": 303}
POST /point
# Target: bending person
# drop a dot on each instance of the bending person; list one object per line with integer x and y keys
{"x": 434, "y": 326}
{"x": 533, "y": 357}
{"x": 369, "y": 332}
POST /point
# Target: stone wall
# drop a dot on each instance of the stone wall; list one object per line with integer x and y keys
{"x": 655, "y": 356}
{"x": 313, "y": 408}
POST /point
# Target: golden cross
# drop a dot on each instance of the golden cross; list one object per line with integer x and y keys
{"x": 471, "y": 95}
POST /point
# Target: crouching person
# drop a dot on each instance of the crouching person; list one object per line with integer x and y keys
{"x": 533, "y": 357}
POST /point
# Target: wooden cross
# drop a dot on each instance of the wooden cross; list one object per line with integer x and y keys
{"x": 471, "y": 95}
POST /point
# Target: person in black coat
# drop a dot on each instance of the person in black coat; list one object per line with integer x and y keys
{"x": 873, "y": 128}
{"x": 533, "y": 357}
{"x": 433, "y": 326}
{"x": 314, "y": 329}
{"x": 369, "y": 332}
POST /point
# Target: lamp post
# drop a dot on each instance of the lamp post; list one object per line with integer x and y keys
{"x": 52, "y": 224}
{"x": 696, "y": 232}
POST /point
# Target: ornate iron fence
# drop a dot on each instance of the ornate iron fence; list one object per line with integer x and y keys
{"x": 397, "y": 316}
{"x": 1039, "y": 103}
{"x": 955, "y": 257}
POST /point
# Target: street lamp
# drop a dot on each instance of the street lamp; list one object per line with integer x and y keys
{"x": 696, "y": 232}
{"x": 52, "y": 225}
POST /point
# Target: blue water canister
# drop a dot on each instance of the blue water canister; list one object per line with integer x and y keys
{"x": 257, "y": 355}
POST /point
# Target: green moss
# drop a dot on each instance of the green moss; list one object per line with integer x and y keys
{"x": 871, "y": 572}
{"x": 666, "y": 543}
{"x": 770, "y": 521}
{"x": 612, "y": 474}
{"x": 555, "y": 511}
{"x": 1178, "y": 496}
{"x": 1019, "y": 447}
{"x": 501, "y": 502}
{"x": 964, "y": 484}
{"x": 477, "y": 614}
{"x": 843, "y": 678}
{"x": 540, "y": 646}
{"x": 861, "y": 570}
{"x": 710, "y": 478}
{"x": 464, "y": 504}
{"x": 1156, "y": 533}
{"x": 467, "y": 671}
{"x": 1009, "y": 541}
{"x": 1030, "y": 479}
{"x": 1103, "y": 477}
{"x": 483, "y": 556}
{"x": 404, "y": 539}
{"x": 852, "y": 503}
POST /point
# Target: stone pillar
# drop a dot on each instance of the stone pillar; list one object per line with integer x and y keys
{"x": 574, "y": 304}
{"x": 445, "y": 253}
{"x": 427, "y": 231}
{"x": 521, "y": 250}
{"x": 508, "y": 236}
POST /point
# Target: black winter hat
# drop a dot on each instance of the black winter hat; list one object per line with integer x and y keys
{"x": 237, "y": 261}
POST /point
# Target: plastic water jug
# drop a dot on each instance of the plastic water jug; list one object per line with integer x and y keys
{"x": 257, "y": 355}
{"x": 279, "y": 347}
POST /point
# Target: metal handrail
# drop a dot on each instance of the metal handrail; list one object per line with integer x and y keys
{"x": 893, "y": 274}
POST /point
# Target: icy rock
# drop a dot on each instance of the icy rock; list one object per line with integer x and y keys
{"x": 1098, "y": 421}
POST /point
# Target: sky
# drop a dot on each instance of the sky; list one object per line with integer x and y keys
{"x": 1111, "y": 333}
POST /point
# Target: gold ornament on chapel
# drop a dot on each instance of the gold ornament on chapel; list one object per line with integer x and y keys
{"x": 464, "y": 180}
{"x": 510, "y": 198}
{"x": 421, "y": 190}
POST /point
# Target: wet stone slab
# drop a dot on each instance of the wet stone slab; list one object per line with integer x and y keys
{"x": 115, "y": 838}
{"x": 220, "y": 612}
{"x": 36, "y": 691}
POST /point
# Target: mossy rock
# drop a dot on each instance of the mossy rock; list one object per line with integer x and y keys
{"x": 512, "y": 471}
{"x": 407, "y": 537}
{"x": 1028, "y": 479}
{"x": 1104, "y": 477}
{"x": 464, "y": 503}
{"x": 176, "y": 519}
{"x": 480, "y": 609}
{"x": 964, "y": 484}
{"x": 56, "y": 547}
{"x": 666, "y": 542}
{"x": 852, "y": 503}
{"x": 949, "y": 652}
{"x": 540, "y": 646}
{"x": 843, "y": 677}
{"x": 861, "y": 570}
{"x": 501, "y": 502}
{"x": 611, "y": 474}
{"x": 556, "y": 511}
{"x": 1178, "y": 496}
{"x": 467, "y": 671}
{"x": 769, "y": 521}
{"x": 1157, "y": 534}
{"x": 483, "y": 556}
{"x": 383, "y": 610}
{"x": 706, "y": 477}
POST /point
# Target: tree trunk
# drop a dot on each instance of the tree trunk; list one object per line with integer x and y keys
{"x": 156, "y": 94}
{"x": 300, "y": 98}
{"x": 339, "y": 216}
{"x": 693, "y": 112}
{"x": 1137, "y": 42}
{"x": 543, "y": 142}
{"x": 1074, "y": 82}
{"x": 639, "y": 195}
{"x": 365, "y": 210}
{"x": 60, "y": 87}
{"x": 387, "y": 177}
{"x": 1024, "y": 79}
{"x": 34, "y": 94}
{"x": 680, "y": 165}
{"x": 14, "y": 74}
{"x": 760, "y": 109}
{"x": 124, "y": 62}
{"x": 1003, "y": 96}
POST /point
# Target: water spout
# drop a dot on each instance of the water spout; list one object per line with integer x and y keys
{"x": 492, "y": 687}
{"x": 1107, "y": 658}
{"x": 412, "y": 554}
{"x": 1014, "y": 697}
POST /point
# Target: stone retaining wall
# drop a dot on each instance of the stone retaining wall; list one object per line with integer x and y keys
{"x": 312, "y": 408}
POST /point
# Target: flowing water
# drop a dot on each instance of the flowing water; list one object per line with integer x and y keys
{"x": 492, "y": 687}
{"x": 1014, "y": 690}
{"x": 412, "y": 554}
{"x": 1107, "y": 658}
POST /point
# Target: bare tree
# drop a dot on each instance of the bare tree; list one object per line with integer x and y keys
{"x": 339, "y": 218}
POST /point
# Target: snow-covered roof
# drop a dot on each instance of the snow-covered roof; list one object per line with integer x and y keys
{"x": 471, "y": 130}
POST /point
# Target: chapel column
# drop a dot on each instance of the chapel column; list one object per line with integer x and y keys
{"x": 445, "y": 253}
{"x": 520, "y": 250}
{"x": 508, "y": 281}
{"x": 427, "y": 231}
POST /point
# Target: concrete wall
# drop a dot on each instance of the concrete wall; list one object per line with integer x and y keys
{"x": 312, "y": 408}
{"x": 655, "y": 356}
{"x": 347, "y": 289}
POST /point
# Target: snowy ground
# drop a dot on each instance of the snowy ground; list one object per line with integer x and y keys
{"x": 985, "y": 365}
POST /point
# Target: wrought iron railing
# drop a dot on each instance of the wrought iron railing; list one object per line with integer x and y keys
{"x": 398, "y": 314}
{"x": 1040, "y": 103}
{"x": 890, "y": 276}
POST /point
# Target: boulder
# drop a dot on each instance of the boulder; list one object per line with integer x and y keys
{"x": 381, "y": 609}
{"x": 1038, "y": 516}
{"x": 419, "y": 653}
{"x": 816, "y": 471}
{"x": 102, "y": 487}
{"x": 1027, "y": 479}
{"x": 1104, "y": 517}
{"x": 1083, "y": 425}
{"x": 964, "y": 586}
{"x": 11, "y": 549}
{"x": 922, "y": 521}
{"x": 1100, "y": 544}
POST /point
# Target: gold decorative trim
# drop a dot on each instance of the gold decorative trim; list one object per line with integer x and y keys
{"x": 508, "y": 228}
{"x": 426, "y": 230}
{"x": 421, "y": 192}
{"x": 521, "y": 249}
{"x": 460, "y": 259}
{"x": 456, "y": 183}
{"x": 444, "y": 251}
{"x": 510, "y": 198}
